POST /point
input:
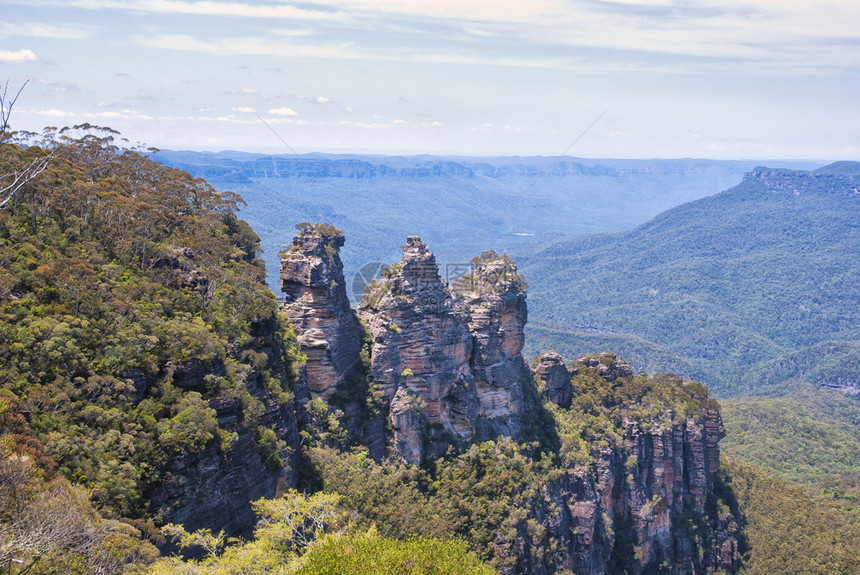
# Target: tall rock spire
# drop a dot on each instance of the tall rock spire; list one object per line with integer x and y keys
{"x": 450, "y": 364}
{"x": 421, "y": 351}
{"x": 494, "y": 295}
{"x": 318, "y": 308}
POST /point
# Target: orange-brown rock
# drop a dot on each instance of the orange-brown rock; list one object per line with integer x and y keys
{"x": 318, "y": 308}
{"x": 421, "y": 343}
{"x": 494, "y": 296}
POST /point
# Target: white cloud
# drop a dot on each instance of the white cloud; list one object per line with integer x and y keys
{"x": 18, "y": 57}
{"x": 121, "y": 115}
{"x": 41, "y": 30}
{"x": 322, "y": 100}
{"x": 244, "y": 110}
{"x": 283, "y": 112}
{"x": 198, "y": 8}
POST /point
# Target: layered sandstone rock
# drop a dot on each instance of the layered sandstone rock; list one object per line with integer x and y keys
{"x": 318, "y": 308}
{"x": 421, "y": 344}
{"x": 494, "y": 297}
{"x": 550, "y": 369}
{"x": 638, "y": 507}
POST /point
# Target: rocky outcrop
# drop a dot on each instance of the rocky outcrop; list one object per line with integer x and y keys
{"x": 552, "y": 372}
{"x": 494, "y": 297}
{"x": 650, "y": 500}
{"x": 605, "y": 364}
{"x": 447, "y": 362}
{"x": 454, "y": 356}
{"x": 422, "y": 345}
{"x": 318, "y": 308}
{"x": 636, "y": 508}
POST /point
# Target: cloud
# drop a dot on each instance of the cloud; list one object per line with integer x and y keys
{"x": 125, "y": 114}
{"x": 283, "y": 112}
{"x": 59, "y": 86}
{"x": 322, "y": 100}
{"x": 18, "y": 57}
{"x": 199, "y": 8}
{"x": 244, "y": 110}
{"x": 41, "y": 30}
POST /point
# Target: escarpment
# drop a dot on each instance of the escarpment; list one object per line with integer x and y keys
{"x": 257, "y": 455}
{"x": 633, "y": 458}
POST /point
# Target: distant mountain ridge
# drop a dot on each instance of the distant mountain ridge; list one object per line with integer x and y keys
{"x": 459, "y": 205}
{"x": 754, "y": 286}
{"x": 243, "y": 166}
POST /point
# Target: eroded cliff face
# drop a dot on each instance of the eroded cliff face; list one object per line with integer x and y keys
{"x": 318, "y": 308}
{"x": 648, "y": 501}
{"x": 555, "y": 377}
{"x": 494, "y": 297}
{"x": 421, "y": 356}
{"x": 213, "y": 488}
{"x": 447, "y": 361}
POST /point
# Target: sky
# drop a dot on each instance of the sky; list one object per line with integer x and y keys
{"x": 741, "y": 79}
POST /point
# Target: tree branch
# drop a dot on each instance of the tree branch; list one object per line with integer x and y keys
{"x": 33, "y": 169}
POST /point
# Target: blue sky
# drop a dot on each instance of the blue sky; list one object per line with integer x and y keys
{"x": 719, "y": 79}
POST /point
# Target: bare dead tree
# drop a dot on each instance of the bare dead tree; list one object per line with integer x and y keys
{"x": 15, "y": 180}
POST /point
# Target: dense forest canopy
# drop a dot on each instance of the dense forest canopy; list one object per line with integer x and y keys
{"x": 752, "y": 287}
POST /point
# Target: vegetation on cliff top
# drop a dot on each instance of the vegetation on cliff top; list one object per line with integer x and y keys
{"x": 493, "y": 495}
{"x": 130, "y": 294}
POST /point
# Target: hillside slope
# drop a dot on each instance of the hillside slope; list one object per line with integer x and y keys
{"x": 138, "y": 337}
{"x": 753, "y": 286}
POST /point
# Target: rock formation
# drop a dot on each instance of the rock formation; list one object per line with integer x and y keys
{"x": 318, "y": 308}
{"x": 448, "y": 361}
{"x": 550, "y": 370}
{"x": 495, "y": 301}
{"x": 421, "y": 352}
{"x": 642, "y": 503}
